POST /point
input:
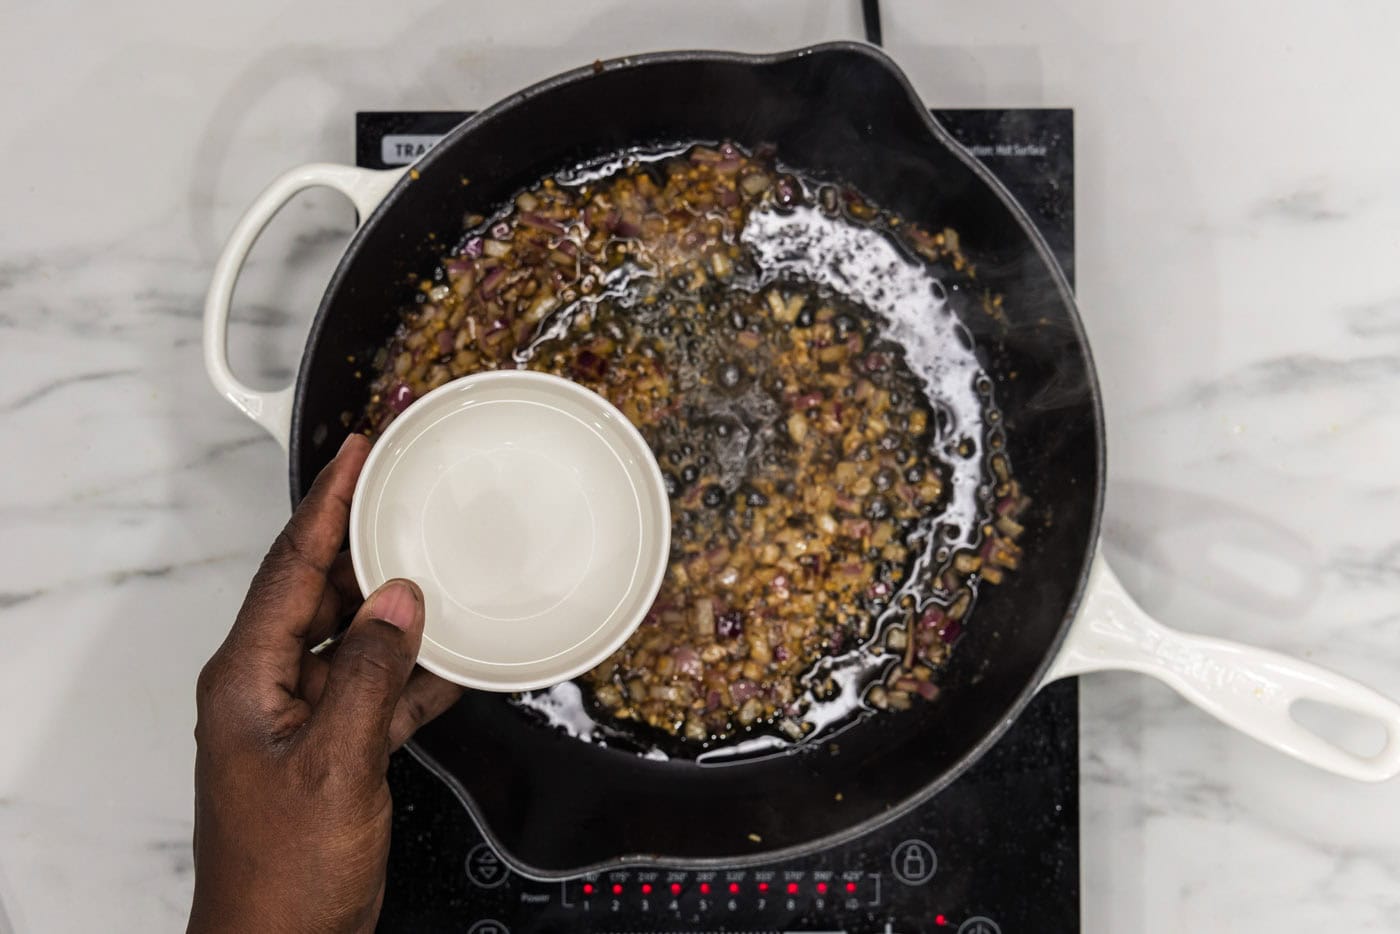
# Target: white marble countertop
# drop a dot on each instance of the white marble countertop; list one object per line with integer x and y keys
{"x": 1239, "y": 271}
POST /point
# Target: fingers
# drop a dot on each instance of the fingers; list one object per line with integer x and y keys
{"x": 339, "y": 599}
{"x": 423, "y": 699}
{"x": 369, "y": 672}
{"x": 315, "y": 669}
{"x": 289, "y": 588}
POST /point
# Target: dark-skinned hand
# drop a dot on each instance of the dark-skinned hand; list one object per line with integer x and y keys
{"x": 292, "y": 808}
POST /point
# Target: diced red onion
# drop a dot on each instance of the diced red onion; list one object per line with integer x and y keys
{"x": 472, "y": 248}
{"x": 742, "y": 690}
{"x": 932, "y": 618}
{"x": 989, "y": 549}
{"x": 788, "y": 190}
{"x": 446, "y": 340}
{"x": 400, "y": 397}
{"x": 950, "y": 631}
{"x": 855, "y": 528}
{"x": 688, "y": 662}
{"x": 729, "y": 625}
{"x": 540, "y": 222}
{"x": 492, "y": 282}
{"x": 704, "y": 617}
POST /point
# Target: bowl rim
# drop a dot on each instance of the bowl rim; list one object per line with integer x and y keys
{"x": 652, "y": 567}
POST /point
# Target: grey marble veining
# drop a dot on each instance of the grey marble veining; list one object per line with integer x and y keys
{"x": 1238, "y": 228}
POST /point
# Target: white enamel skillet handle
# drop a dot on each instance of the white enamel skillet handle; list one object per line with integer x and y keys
{"x": 365, "y": 188}
{"x": 1250, "y": 689}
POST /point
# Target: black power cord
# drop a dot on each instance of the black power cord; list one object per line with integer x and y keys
{"x": 870, "y": 12}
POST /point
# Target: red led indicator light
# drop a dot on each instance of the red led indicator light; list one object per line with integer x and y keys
{"x": 646, "y": 888}
{"x": 851, "y": 887}
{"x": 821, "y": 888}
{"x": 733, "y": 888}
{"x": 588, "y": 888}
{"x": 617, "y": 888}
{"x": 675, "y": 888}
{"x": 704, "y": 888}
{"x": 941, "y": 921}
{"x": 763, "y": 886}
{"x": 792, "y": 888}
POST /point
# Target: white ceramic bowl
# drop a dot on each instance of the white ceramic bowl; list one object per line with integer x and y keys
{"x": 533, "y": 516}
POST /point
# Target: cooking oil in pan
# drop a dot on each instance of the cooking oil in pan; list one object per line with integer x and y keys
{"x": 906, "y": 306}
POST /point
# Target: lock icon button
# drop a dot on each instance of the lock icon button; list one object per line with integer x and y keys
{"x": 914, "y": 862}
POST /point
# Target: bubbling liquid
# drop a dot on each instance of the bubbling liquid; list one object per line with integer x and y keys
{"x": 906, "y": 307}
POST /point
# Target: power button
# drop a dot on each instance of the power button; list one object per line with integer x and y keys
{"x": 488, "y": 926}
{"x": 914, "y": 862}
{"x": 979, "y": 925}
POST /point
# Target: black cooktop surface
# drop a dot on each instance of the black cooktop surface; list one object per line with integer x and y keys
{"x": 996, "y": 851}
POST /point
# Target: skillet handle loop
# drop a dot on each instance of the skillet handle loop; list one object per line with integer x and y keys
{"x": 1250, "y": 689}
{"x": 365, "y": 188}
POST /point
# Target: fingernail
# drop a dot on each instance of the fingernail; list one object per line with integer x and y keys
{"x": 346, "y": 443}
{"x": 396, "y": 603}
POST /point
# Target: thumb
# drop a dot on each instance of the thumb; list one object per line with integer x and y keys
{"x": 369, "y": 670}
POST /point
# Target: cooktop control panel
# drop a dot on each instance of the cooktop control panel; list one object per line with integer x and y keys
{"x": 852, "y": 897}
{"x": 996, "y": 851}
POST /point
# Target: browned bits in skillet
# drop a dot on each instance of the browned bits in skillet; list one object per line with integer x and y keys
{"x": 793, "y": 440}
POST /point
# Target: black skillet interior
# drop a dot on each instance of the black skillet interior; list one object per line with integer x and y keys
{"x": 557, "y": 806}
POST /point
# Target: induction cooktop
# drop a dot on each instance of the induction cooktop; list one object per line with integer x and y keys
{"x": 997, "y": 851}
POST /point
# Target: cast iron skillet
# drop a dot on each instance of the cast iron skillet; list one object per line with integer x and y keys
{"x": 555, "y": 806}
